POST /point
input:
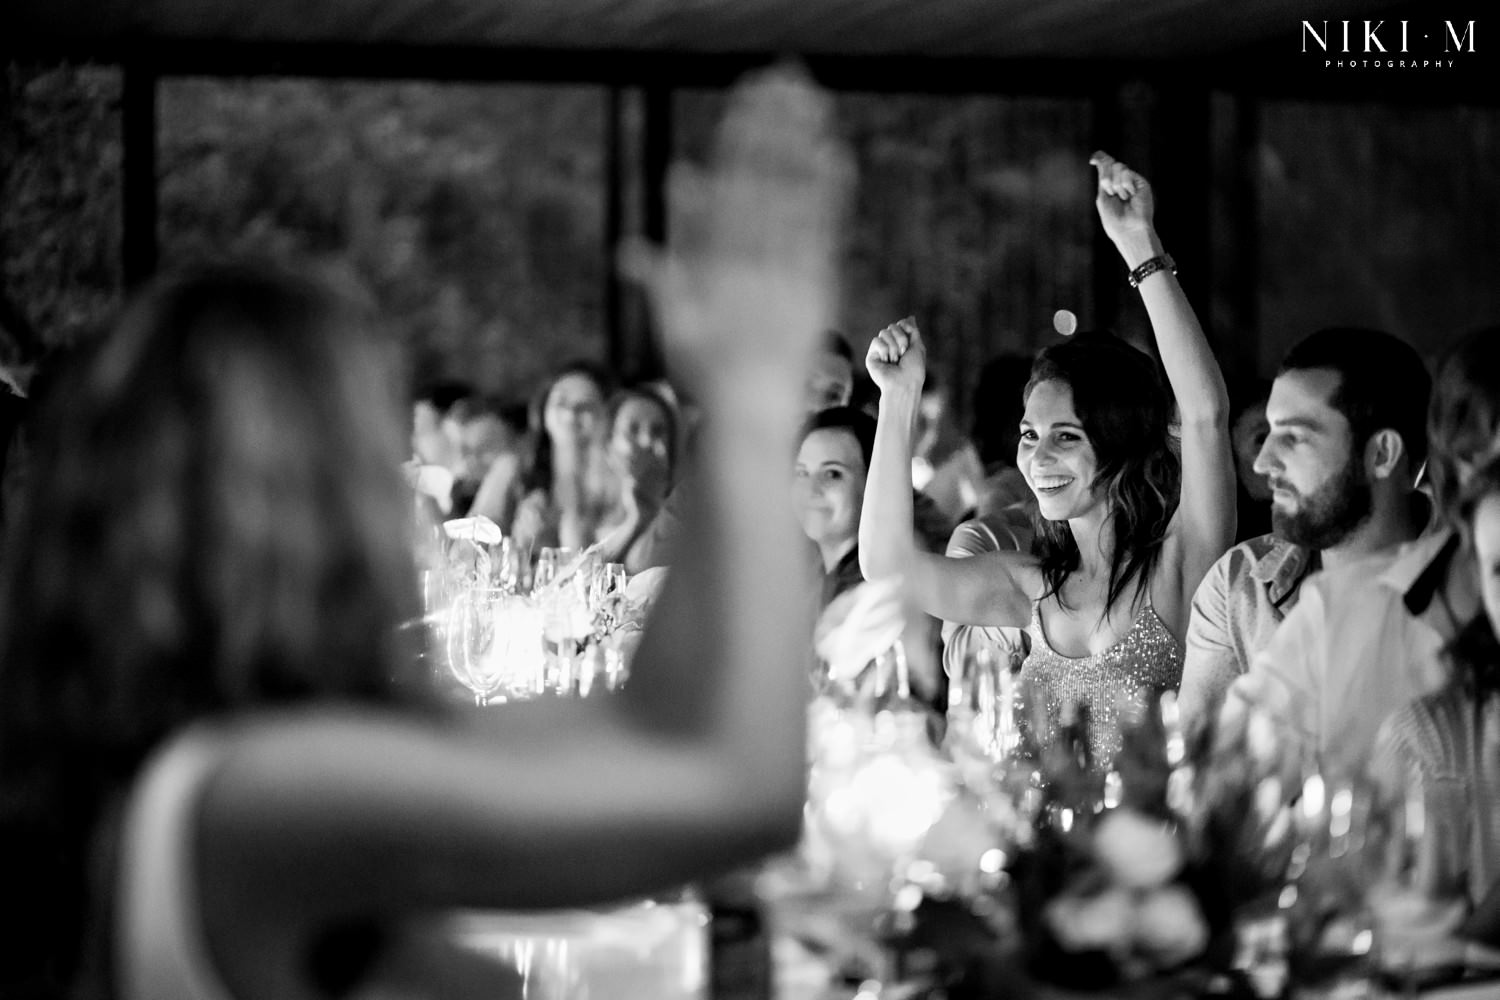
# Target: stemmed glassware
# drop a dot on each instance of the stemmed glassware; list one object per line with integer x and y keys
{"x": 1337, "y": 855}
{"x": 549, "y": 563}
{"x": 1416, "y": 908}
{"x": 606, "y": 592}
{"x": 472, "y": 631}
{"x": 985, "y": 706}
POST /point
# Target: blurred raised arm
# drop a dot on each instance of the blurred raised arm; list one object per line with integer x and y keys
{"x": 697, "y": 765}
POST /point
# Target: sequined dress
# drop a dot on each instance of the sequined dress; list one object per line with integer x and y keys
{"x": 1147, "y": 656}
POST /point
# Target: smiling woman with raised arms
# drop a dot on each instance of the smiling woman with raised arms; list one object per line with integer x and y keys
{"x": 1127, "y": 525}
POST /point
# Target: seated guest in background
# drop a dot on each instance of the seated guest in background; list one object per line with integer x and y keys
{"x": 1367, "y": 637}
{"x": 1248, "y": 428}
{"x": 483, "y": 438}
{"x": 1452, "y": 737}
{"x": 1347, "y": 435}
{"x": 434, "y": 446}
{"x": 567, "y": 486}
{"x": 945, "y": 465}
{"x": 829, "y": 488}
{"x": 431, "y": 442}
{"x": 828, "y": 491}
{"x": 205, "y": 588}
{"x": 642, "y": 451}
{"x": 830, "y": 383}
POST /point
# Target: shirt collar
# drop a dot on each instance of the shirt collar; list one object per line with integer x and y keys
{"x": 1283, "y": 567}
{"x": 1421, "y": 567}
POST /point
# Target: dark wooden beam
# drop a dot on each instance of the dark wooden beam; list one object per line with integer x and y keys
{"x": 644, "y": 357}
{"x": 615, "y": 182}
{"x": 1272, "y": 70}
{"x": 138, "y": 242}
{"x": 1232, "y": 315}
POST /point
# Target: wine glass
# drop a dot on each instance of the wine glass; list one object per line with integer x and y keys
{"x": 508, "y": 565}
{"x": 566, "y": 629}
{"x": 985, "y": 706}
{"x": 606, "y": 591}
{"x": 1338, "y": 846}
{"x": 1416, "y": 909}
{"x": 550, "y": 560}
{"x": 474, "y": 656}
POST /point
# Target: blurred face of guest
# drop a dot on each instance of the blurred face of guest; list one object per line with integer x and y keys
{"x": 1319, "y": 490}
{"x": 574, "y": 411}
{"x": 639, "y": 442}
{"x": 1248, "y": 434}
{"x": 930, "y": 414}
{"x": 1486, "y": 528}
{"x": 1055, "y": 455}
{"x": 829, "y": 487}
{"x": 429, "y": 442}
{"x": 831, "y": 382}
{"x": 481, "y": 440}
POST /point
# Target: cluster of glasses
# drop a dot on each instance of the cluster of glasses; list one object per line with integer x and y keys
{"x": 1361, "y": 912}
{"x": 507, "y": 630}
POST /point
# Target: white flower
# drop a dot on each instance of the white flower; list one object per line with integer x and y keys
{"x": 1137, "y": 852}
{"x": 1092, "y": 923}
{"x": 1169, "y": 926}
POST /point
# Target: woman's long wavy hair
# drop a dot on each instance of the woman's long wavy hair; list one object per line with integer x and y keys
{"x": 1125, "y": 408}
{"x": 213, "y": 519}
{"x": 1474, "y": 650}
{"x": 537, "y": 474}
{"x": 1463, "y": 416}
{"x": 668, "y": 410}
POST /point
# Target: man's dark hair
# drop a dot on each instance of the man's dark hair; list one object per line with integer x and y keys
{"x": 443, "y": 394}
{"x": 1382, "y": 383}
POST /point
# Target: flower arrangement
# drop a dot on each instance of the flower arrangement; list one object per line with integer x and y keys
{"x": 1111, "y": 892}
{"x": 1205, "y": 864}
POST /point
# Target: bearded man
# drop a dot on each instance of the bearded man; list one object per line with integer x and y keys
{"x": 1347, "y": 439}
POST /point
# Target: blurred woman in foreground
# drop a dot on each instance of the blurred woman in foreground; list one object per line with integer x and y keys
{"x": 206, "y": 752}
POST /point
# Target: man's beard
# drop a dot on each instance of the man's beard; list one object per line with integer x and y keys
{"x": 1328, "y": 516}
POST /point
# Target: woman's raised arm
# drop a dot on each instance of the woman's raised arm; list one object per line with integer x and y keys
{"x": 1206, "y": 511}
{"x": 979, "y": 591}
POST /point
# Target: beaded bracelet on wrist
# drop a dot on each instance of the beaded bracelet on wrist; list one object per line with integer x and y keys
{"x": 1161, "y": 262}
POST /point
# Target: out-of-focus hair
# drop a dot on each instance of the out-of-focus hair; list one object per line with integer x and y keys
{"x": 1126, "y": 410}
{"x": 1463, "y": 420}
{"x": 1475, "y": 650}
{"x": 442, "y": 394}
{"x": 213, "y": 519}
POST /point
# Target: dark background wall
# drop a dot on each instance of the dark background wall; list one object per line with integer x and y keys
{"x": 475, "y": 213}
